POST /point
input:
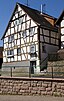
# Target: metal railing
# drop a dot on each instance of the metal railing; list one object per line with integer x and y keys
{"x": 53, "y": 71}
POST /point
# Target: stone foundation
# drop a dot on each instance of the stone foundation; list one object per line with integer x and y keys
{"x": 32, "y": 86}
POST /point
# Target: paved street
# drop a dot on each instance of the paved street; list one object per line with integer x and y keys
{"x": 29, "y": 98}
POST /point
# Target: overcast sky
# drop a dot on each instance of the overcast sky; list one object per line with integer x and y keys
{"x": 53, "y": 8}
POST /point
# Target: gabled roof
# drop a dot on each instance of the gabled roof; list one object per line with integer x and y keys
{"x": 35, "y": 15}
{"x": 60, "y": 18}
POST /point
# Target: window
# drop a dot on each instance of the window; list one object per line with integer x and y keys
{"x": 18, "y": 51}
{"x": 10, "y": 52}
{"x": 31, "y": 31}
{"x": 16, "y": 22}
{"x": 24, "y": 34}
{"x": 11, "y": 38}
{"x": 20, "y": 13}
{"x": 32, "y": 49}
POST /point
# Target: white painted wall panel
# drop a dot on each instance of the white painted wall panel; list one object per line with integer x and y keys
{"x": 19, "y": 58}
{"x": 15, "y": 51}
{"x": 15, "y": 58}
{"x": 28, "y": 49}
{"x": 16, "y": 15}
{"x": 35, "y": 38}
{"x": 28, "y": 17}
{"x": 5, "y": 46}
{"x": 8, "y": 59}
{"x": 19, "y": 27}
{"x": 28, "y": 24}
{"x": 22, "y": 41}
{"x": 62, "y": 23}
{"x": 36, "y": 47}
{"x": 23, "y": 12}
{"x": 18, "y": 42}
{"x": 27, "y": 39}
{"x": 12, "y": 25}
{"x": 5, "y": 39}
{"x": 28, "y": 56}
{"x": 62, "y": 31}
{"x": 15, "y": 28}
{"x": 23, "y": 26}
{"x": 33, "y": 24}
{"x": 15, "y": 36}
{"x": 4, "y": 59}
{"x": 23, "y": 57}
{"x": 62, "y": 38}
{"x": 12, "y": 30}
{"x": 12, "y": 59}
{"x": 19, "y": 8}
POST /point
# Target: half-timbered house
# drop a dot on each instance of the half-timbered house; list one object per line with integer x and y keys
{"x": 60, "y": 24}
{"x": 28, "y": 39}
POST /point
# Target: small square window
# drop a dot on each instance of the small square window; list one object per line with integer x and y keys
{"x": 24, "y": 34}
{"x": 18, "y": 51}
{"x": 32, "y": 49}
{"x": 31, "y": 31}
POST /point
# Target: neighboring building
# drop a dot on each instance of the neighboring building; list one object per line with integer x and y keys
{"x": 28, "y": 39}
{"x": 1, "y": 56}
{"x": 60, "y": 24}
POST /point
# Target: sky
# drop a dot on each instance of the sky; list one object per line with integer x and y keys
{"x": 53, "y": 8}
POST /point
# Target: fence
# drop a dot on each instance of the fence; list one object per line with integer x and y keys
{"x": 53, "y": 71}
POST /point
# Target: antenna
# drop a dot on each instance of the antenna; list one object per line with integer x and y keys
{"x": 27, "y": 3}
{"x": 43, "y": 10}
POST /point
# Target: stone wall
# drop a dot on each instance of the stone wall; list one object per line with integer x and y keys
{"x": 32, "y": 86}
{"x": 58, "y": 66}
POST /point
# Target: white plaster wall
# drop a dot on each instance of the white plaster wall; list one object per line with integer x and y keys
{"x": 15, "y": 51}
{"x": 6, "y": 40}
{"x": 62, "y": 23}
{"x": 18, "y": 42}
{"x": 19, "y": 58}
{"x": 19, "y": 8}
{"x": 15, "y": 36}
{"x": 15, "y": 58}
{"x": 62, "y": 30}
{"x": 23, "y": 57}
{"x": 12, "y": 30}
{"x": 62, "y": 38}
{"x": 33, "y": 23}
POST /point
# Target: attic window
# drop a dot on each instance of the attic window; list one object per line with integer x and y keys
{"x": 16, "y": 22}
